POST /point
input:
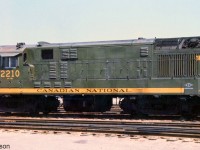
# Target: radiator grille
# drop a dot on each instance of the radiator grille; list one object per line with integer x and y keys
{"x": 177, "y": 65}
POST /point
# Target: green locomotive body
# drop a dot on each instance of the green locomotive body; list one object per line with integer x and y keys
{"x": 150, "y": 75}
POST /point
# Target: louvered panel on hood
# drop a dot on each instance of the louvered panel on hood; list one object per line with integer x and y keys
{"x": 177, "y": 65}
{"x": 69, "y": 54}
{"x": 52, "y": 70}
{"x": 64, "y": 70}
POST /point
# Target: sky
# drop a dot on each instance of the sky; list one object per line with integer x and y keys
{"x": 62, "y": 21}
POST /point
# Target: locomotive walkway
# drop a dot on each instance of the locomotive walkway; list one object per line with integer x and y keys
{"x": 154, "y": 128}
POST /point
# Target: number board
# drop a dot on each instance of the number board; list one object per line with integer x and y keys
{"x": 9, "y": 74}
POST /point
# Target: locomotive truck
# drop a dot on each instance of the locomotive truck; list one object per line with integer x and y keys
{"x": 151, "y": 76}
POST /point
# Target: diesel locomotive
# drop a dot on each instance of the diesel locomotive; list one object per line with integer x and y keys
{"x": 150, "y": 76}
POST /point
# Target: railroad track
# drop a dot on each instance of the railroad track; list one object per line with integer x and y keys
{"x": 154, "y": 128}
{"x": 114, "y": 113}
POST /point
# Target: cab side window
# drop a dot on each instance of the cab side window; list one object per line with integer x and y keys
{"x": 9, "y": 62}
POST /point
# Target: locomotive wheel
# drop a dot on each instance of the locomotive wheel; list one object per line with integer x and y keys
{"x": 34, "y": 111}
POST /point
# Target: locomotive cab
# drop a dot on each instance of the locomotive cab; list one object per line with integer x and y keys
{"x": 17, "y": 71}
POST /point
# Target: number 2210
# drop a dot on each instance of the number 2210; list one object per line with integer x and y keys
{"x": 9, "y": 73}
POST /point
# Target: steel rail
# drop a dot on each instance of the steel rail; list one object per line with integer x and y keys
{"x": 116, "y": 122}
